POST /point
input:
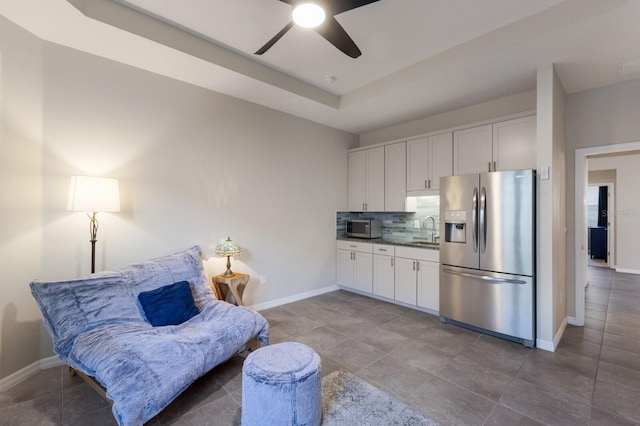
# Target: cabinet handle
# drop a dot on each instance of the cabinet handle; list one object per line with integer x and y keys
{"x": 429, "y": 183}
{"x": 351, "y": 255}
{"x": 417, "y": 266}
{"x": 414, "y": 265}
{"x": 489, "y": 165}
{"x": 353, "y": 246}
{"x": 392, "y": 262}
{"x": 494, "y": 166}
{"x": 426, "y": 185}
{"x": 382, "y": 249}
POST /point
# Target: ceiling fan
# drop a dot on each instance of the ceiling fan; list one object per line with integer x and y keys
{"x": 328, "y": 27}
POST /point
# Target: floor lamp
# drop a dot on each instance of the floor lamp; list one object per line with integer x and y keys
{"x": 93, "y": 195}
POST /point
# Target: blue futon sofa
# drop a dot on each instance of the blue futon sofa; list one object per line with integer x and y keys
{"x": 145, "y": 331}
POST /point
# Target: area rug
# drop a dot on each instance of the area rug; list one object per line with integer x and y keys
{"x": 348, "y": 400}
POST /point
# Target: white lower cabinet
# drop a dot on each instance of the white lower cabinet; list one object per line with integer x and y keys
{"x": 406, "y": 280}
{"x": 384, "y": 271}
{"x": 429, "y": 285}
{"x": 355, "y": 265}
{"x": 417, "y": 277}
{"x": 405, "y": 274}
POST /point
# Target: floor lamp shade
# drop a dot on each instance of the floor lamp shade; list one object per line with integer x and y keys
{"x": 93, "y": 195}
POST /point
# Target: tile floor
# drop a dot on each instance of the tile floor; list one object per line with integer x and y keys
{"x": 456, "y": 376}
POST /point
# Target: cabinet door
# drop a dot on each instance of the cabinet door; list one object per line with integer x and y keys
{"x": 395, "y": 177}
{"x": 440, "y": 158}
{"x": 375, "y": 180}
{"x": 429, "y": 285}
{"x": 345, "y": 268}
{"x": 472, "y": 150}
{"x": 417, "y": 164}
{"x": 514, "y": 144}
{"x": 405, "y": 285}
{"x": 383, "y": 276}
{"x": 357, "y": 180}
{"x": 363, "y": 272}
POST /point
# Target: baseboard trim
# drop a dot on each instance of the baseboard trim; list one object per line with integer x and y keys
{"x": 628, "y": 271}
{"x": 545, "y": 345}
{"x": 549, "y": 345}
{"x": 28, "y": 371}
{"x": 574, "y": 321}
{"x": 294, "y": 298}
{"x": 560, "y": 333}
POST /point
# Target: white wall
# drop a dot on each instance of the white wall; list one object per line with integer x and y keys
{"x": 627, "y": 208}
{"x": 20, "y": 195}
{"x": 521, "y": 102}
{"x": 194, "y": 167}
{"x": 598, "y": 117}
{"x": 551, "y": 284}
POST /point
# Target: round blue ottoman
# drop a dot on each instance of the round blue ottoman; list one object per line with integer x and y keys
{"x": 281, "y": 386}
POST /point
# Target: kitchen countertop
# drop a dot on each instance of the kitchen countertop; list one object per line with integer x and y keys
{"x": 413, "y": 243}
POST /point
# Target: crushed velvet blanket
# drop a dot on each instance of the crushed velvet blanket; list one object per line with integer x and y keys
{"x": 98, "y": 328}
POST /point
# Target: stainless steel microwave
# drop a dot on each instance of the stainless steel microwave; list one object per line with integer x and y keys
{"x": 364, "y": 228}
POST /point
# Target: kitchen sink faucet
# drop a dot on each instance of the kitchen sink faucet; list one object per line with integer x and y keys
{"x": 433, "y": 229}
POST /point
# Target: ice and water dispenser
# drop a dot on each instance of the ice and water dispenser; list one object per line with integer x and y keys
{"x": 455, "y": 225}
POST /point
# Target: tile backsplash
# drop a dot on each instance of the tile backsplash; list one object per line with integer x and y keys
{"x": 399, "y": 225}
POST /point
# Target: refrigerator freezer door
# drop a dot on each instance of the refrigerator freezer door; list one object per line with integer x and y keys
{"x": 501, "y": 303}
{"x": 458, "y": 211}
{"x": 506, "y": 222}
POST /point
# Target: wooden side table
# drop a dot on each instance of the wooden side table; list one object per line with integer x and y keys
{"x": 231, "y": 287}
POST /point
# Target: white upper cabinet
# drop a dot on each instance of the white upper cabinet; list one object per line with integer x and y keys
{"x": 514, "y": 144}
{"x": 366, "y": 180}
{"x": 417, "y": 164}
{"x": 428, "y": 159}
{"x": 472, "y": 150}
{"x": 440, "y": 158}
{"x": 507, "y": 145}
{"x": 395, "y": 190}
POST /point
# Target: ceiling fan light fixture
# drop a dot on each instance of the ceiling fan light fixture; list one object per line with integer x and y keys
{"x": 308, "y": 15}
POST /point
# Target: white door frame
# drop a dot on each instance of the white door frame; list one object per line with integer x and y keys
{"x": 581, "y": 183}
{"x": 611, "y": 224}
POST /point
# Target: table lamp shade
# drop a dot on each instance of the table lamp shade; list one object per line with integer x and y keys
{"x": 228, "y": 248}
{"x": 93, "y": 194}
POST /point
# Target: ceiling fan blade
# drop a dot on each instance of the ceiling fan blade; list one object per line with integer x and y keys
{"x": 339, "y": 6}
{"x": 275, "y": 38}
{"x": 333, "y": 32}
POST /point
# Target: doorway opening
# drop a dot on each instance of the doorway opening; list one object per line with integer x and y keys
{"x": 581, "y": 234}
{"x": 601, "y": 236}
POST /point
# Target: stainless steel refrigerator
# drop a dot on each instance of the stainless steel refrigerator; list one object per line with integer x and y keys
{"x": 487, "y": 253}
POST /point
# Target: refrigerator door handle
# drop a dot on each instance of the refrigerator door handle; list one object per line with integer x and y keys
{"x": 474, "y": 219}
{"x": 483, "y": 220}
{"x": 485, "y": 277}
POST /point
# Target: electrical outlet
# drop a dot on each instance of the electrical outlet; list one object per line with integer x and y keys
{"x": 416, "y": 224}
{"x": 263, "y": 280}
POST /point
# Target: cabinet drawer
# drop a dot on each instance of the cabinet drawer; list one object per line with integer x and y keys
{"x": 426, "y": 254}
{"x": 355, "y": 246}
{"x": 384, "y": 249}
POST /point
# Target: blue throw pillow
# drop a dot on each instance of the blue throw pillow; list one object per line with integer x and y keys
{"x": 169, "y": 305}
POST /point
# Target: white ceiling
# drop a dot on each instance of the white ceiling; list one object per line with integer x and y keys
{"x": 419, "y": 57}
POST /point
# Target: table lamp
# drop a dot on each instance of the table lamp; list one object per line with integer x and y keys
{"x": 228, "y": 248}
{"x": 93, "y": 195}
